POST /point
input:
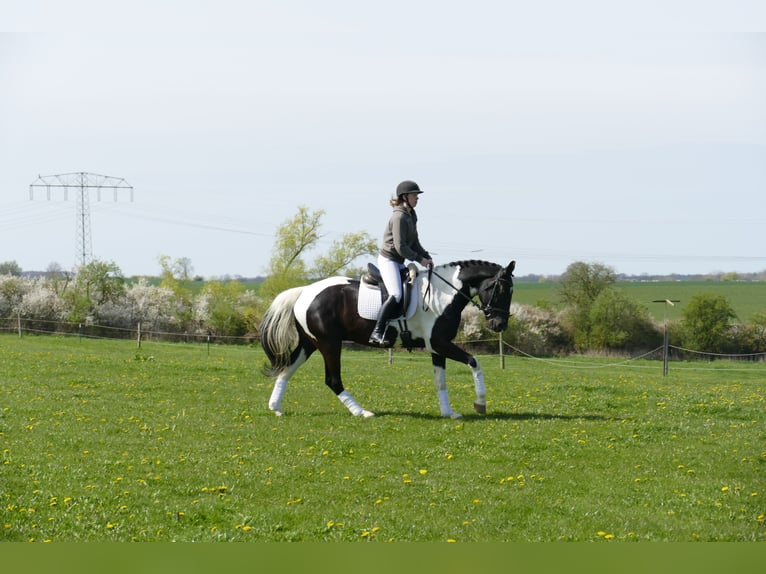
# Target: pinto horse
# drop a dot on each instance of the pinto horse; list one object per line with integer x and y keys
{"x": 324, "y": 314}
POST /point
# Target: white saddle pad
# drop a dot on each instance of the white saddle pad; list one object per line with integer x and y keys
{"x": 369, "y": 303}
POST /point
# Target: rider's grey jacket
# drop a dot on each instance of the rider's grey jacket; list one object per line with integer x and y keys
{"x": 400, "y": 238}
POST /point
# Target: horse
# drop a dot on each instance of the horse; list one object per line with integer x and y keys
{"x": 325, "y": 314}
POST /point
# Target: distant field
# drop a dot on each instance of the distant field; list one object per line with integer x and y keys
{"x": 746, "y": 298}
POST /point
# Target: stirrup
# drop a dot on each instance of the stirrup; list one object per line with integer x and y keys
{"x": 379, "y": 339}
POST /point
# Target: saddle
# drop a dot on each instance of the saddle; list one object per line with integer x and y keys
{"x": 373, "y": 292}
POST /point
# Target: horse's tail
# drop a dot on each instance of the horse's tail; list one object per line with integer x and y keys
{"x": 279, "y": 335}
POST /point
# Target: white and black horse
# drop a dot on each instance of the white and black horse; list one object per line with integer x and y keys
{"x": 324, "y": 314}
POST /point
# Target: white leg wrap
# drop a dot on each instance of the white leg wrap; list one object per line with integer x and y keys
{"x": 480, "y": 404}
{"x": 440, "y": 379}
{"x": 351, "y": 404}
{"x": 275, "y": 402}
{"x": 478, "y": 383}
{"x": 440, "y": 382}
{"x": 444, "y": 405}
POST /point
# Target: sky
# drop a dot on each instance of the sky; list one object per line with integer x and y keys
{"x": 631, "y": 134}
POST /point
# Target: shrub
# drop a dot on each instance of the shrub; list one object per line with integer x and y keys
{"x": 620, "y": 323}
{"x": 706, "y": 323}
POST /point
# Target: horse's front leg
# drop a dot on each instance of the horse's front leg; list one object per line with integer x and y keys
{"x": 440, "y": 382}
{"x": 480, "y": 404}
{"x": 448, "y": 350}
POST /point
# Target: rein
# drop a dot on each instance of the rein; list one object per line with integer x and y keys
{"x": 486, "y": 309}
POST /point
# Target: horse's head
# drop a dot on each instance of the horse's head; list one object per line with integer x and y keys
{"x": 495, "y": 294}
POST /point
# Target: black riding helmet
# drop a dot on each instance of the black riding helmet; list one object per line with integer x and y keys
{"x": 406, "y": 187}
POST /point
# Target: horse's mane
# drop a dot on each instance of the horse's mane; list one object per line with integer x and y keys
{"x": 466, "y": 263}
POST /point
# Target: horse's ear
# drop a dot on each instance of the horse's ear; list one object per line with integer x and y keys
{"x": 510, "y": 268}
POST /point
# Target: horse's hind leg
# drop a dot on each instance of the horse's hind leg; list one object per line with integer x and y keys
{"x": 280, "y": 385}
{"x": 333, "y": 380}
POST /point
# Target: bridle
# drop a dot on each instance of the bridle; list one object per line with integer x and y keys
{"x": 488, "y": 309}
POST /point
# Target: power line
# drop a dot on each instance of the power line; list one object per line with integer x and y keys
{"x": 82, "y": 182}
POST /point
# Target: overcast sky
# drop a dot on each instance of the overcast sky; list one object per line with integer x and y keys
{"x": 630, "y": 134}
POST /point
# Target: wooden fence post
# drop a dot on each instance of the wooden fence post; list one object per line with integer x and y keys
{"x": 502, "y": 355}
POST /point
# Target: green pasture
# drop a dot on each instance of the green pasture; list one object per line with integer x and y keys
{"x": 745, "y": 297}
{"x": 102, "y": 441}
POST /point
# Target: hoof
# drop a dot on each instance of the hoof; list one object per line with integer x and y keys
{"x": 278, "y": 413}
{"x": 454, "y": 416}
{"x": 367, "y": 414}
{"x": 480, "y": 408}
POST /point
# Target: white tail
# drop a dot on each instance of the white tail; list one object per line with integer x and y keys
{"x": 279, "y": 336}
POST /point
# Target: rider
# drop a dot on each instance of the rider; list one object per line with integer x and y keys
{"x": 400, "y": 242}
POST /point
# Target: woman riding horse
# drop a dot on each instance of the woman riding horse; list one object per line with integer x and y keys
{"x": 400, "y": 242}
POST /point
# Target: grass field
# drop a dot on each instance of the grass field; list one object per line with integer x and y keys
{"x": 101, "y": 441}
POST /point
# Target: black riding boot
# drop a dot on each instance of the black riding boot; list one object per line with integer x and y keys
{"x": 388, "y": 311}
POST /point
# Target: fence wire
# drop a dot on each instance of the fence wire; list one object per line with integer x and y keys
{"x": 138, "y": 334}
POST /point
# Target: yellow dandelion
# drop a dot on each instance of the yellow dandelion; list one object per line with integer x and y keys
{"x": 423, "y": 471}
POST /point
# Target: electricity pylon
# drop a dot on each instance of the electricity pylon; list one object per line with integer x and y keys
{"x": 81, "y": 182}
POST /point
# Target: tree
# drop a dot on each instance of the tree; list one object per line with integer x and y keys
{"x": 298, "y": 235}
{"x": 176, "y": 274}
{"x": 582, "y": 282}
{"x": 579, "y": 287}
{"x": 706, "y": 322}
{"x": 10, "y": 268}
{"x": 220, "y": 310}
{"x": 95, "y": 284}
{"x": 343, "y": 252}
{"x": 12, "y": 291}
